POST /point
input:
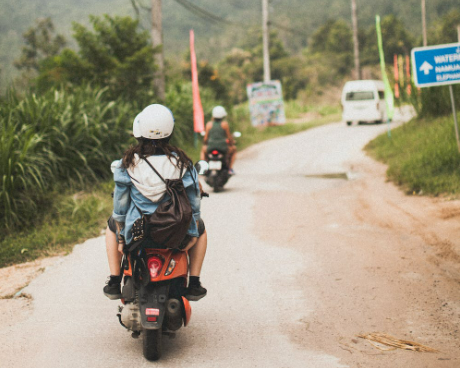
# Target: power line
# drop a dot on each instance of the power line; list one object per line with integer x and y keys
{"x": 216, "y": 19}
{"x": 202, "y": 13}
{"x": 294, "y": 31}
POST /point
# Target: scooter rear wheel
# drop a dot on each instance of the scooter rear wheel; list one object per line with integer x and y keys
{"x": 152, "y": 344}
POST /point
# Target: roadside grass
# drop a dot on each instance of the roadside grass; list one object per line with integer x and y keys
{"x": 74, "y": 217}
{"x": 422, "y": 156}
{"x": 252, "y": 135}
{"x": 295, "y": 109}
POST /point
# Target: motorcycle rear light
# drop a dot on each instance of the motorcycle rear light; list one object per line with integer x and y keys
{"x": 215, "y": 152}
{"x": 152, "y": 312}
{"x": 154, "y": 264}
{"x": 171, "y": 267}
{"x": 151, "y": 319}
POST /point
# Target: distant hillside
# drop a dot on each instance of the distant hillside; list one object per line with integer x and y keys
{"x": 295, "y": 20}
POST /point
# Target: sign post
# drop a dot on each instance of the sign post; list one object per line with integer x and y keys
{"x": 437, "y": 66}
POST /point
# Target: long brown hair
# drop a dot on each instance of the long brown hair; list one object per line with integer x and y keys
{"x": 148, "y": 147}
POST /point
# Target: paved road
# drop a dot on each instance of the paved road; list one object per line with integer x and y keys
{"x": 286, "y": 286}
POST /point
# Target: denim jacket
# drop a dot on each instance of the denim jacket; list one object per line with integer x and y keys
{"x": 126, "y": 197}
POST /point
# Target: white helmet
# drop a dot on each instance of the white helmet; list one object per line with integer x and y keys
{"x": 136, "y": 127}
{"x": 154, "y": 122}
{"x": 219, "y": 112}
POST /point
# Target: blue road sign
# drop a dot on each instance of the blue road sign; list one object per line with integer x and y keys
{"x": 436, "y": 65}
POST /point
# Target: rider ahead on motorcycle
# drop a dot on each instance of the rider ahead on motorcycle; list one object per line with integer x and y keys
{"x": 218, "y": 137}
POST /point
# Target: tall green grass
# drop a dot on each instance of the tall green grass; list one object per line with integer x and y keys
{"x": 422, "y": 156}
{"x": 68, "y": 138}
{"x": 59, "y": 137}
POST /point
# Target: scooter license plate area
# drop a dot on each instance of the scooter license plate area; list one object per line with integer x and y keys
{"x": 152, "y": 304}
{"x": 215, "y": 165}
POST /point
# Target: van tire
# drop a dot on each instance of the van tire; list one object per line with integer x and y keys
{"x": 349, "y": 123}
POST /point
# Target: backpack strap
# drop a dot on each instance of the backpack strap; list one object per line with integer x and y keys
{"x": 180, "y": 174}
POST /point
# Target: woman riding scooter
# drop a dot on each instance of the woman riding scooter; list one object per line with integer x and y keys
{"x": 217, "y": 136}
{"x": 137, "y": 187}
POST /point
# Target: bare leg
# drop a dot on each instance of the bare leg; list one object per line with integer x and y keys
{"x": 232, "y": 153}
{"x": 197, "y": 254}
{"x": 113, "y": 255}
{"x": 203, "y": 152}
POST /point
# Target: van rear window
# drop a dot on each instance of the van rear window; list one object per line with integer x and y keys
{"x": 359, "y": 96}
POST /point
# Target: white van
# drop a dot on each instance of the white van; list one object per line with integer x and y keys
{"x": 364, "y": 101}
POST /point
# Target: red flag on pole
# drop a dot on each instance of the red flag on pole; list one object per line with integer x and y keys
{"x": 198, "y": 115}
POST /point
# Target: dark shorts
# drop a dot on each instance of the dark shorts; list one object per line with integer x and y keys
{"x": 113, "y": 227}
{"x": 111, "y": 224}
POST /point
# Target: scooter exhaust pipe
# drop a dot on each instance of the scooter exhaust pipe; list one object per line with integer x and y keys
{"x": 173, "y": 314}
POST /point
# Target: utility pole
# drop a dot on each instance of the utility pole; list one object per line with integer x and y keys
{"x": 267, "y": 76}
{"x": 355, "y": 39}
{"x": 157, "y": 41}
{"x": 424, "y": 23}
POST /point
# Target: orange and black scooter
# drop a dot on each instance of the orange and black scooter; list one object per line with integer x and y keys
{"x": 153, "y": 296}
{"x": 153, "y": 293}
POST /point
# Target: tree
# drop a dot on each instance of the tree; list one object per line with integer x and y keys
{"x": 41, "y": 43}
{"x": 115, "y": 54}
{"x": 334, "y": 36}
{"x": 445, "y": 29}
{"x": 396, "y": 40}
{"x": 334, "y": 41}
{"x": 244, "y": 64}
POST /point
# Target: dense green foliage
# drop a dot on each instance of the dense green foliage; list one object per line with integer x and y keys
{"x": 115, "y": 54}
{"x": 40, "y": 42}
{"x": 58, "y": 137}
{"x": 422, "y": 156}
{"x": 296, "y": 21}
{"x": 64, "y": 139}
{"x": 397, "y": 40}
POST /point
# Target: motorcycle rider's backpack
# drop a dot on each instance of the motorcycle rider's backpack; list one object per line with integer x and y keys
{"x": 168, "y": 225}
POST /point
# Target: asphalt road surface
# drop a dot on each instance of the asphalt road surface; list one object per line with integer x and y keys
{"x": 308, "y": 247}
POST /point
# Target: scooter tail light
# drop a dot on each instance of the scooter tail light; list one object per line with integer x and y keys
{"x": 155, "y": 264}
{"x": 215, "y": 152}
{"x": 171, "y": 267}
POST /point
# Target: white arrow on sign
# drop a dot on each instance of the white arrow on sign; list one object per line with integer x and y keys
{"x": 426, "y": 67}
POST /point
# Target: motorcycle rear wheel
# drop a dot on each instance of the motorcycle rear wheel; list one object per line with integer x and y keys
{"x": 152, "y": 344}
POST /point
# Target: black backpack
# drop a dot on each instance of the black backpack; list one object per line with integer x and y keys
{"x": 167, "y": 227}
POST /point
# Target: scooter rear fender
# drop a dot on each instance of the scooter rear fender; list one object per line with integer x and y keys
{"x": 152, "y": 305}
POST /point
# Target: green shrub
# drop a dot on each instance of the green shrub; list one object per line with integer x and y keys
{"x": 69, "y": 138}
{"x": 54, "y": 139}
{"x": 422, "y": 156}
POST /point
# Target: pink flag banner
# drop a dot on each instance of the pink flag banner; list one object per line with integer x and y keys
{"x": 198, "y": 115}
